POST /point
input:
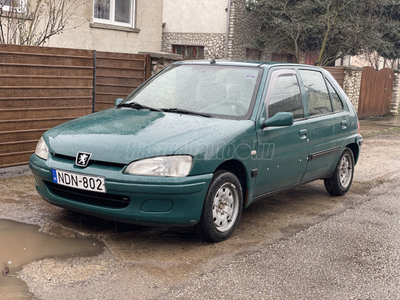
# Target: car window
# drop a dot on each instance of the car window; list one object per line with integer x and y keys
{"x": 284, "y": 95}
{"x": 317, "y": 93}
{"x": 336, "y": 102}
{"x": 211, "y": 89}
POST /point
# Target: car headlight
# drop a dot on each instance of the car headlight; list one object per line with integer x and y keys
{"x": 167, "y": 166}
{"x": 41, "y": 149}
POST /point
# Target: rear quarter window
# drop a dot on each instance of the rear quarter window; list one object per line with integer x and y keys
{"x": 337, "y": 103}
{"x": 317, "y": 93}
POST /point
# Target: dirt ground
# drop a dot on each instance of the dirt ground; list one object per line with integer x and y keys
{"x": 145, "y": 263}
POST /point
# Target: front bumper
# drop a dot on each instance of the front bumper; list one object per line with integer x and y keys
{"x": 153, "y": 200}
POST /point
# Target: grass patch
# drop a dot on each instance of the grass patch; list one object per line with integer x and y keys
{"x": 389, "y": 131}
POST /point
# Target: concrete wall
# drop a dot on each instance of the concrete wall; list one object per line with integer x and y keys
{"x": 188, "y": 16}
{"x": 83, "y": 33}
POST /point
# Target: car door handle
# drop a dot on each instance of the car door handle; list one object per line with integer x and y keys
{"x": 303, "y": 133}
{"x": 344, "y": 124}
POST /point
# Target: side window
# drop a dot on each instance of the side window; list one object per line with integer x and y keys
{"x": 336, "y": 102}
{"x": 284, "y": 94}
{"x": 317, "y": 93}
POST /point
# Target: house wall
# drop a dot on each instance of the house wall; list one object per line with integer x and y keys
{"x": 204, "y": 23}
{"x": 188, "y": 16}
{"x": 83, "y": 33}
{"x": 195, "y": 23}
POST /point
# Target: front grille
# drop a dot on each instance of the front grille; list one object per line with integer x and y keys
{"x": 94, "y": 198}
{"x": 91, "y": 162}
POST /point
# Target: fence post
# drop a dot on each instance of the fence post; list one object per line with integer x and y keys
{"x": 147, "y": 60}
{"x": 94, "y": 82}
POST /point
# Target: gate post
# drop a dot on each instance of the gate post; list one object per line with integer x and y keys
{"x": 396, "y": 94}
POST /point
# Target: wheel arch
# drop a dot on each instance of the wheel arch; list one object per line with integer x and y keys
{"x": 356, "y": 151}
{"x": 237, "y": 168}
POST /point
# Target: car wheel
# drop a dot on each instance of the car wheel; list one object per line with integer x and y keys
{"x": 342, "y": 177}
{"x": 222, "y": 207}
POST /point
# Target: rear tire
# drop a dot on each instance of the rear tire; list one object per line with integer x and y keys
{"x": 342, "y": 177}
{"x": 222, "y": 207}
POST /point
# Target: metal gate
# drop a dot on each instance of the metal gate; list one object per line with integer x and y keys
{"x": 375, "y": 92}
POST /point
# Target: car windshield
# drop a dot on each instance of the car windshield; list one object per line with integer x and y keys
{"x": 208, "y": 90}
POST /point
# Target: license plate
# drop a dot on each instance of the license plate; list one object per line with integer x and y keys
{"x": 79, "y": 181}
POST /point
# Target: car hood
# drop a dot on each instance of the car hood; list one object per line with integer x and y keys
{"x": 125, "y": 135}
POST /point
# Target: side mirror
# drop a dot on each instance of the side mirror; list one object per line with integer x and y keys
{"x": 279, "y": 119}
{"x": 118, "y": 101}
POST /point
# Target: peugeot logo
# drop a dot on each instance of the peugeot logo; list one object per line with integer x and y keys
{"x": 82, "y": 159}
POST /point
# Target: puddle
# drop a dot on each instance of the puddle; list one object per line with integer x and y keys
{"x": 21, "y": 244}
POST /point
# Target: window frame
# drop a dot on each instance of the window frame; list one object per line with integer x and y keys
{"x": 329, "y": 84}
{"x": 196, "y": 49}
{"x": 327, "y": 89}
{"x": 112, "y": 21}
{"x": 271, "y": 83}
{"x": 19, "y": 9}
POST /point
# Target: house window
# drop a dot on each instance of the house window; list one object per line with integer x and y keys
{"x": 189, "y": 52}
{"x": 253, "y": 54}
{"x": 115, "y": 12}
{"x": 16, "y": 5}
{"x": 283, "y": 57}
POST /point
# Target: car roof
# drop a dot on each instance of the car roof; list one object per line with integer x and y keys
{"x": 242, "y": 63}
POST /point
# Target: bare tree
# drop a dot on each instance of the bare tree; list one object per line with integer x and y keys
{"x": 332, "y": 28}
{"x": 34, "y": 22}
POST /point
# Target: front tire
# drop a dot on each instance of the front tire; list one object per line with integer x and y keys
{"x": 342, "y": 177}
{"x": 222, "y": 207}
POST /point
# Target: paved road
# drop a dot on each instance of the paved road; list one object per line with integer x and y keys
{"x": 299, "y": 244}
{"x": 352, "y": 255}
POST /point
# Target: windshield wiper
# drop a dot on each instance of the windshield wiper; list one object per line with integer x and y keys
{"x": 138, "y": 106}
{"x": 186, "y": 112}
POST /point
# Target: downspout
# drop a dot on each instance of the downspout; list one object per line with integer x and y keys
{"x": 227, "y": 29}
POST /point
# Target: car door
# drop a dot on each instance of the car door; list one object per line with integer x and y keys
{"x": 282, "y": 151}
{"x": 327, "y": 122}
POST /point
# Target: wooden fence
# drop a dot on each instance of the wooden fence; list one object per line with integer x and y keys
{"x": 41, "y": 87}
{"x": 337, "y": 73}
{"x": 117, "y": 74}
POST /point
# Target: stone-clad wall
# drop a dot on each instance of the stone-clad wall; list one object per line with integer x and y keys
{"x": 352, "y": 84}
{"x": 160, "y": 60}
{"x": 243, "y": 29}
{"x": 396, "y": 93}
{"x": 214, "y": 44}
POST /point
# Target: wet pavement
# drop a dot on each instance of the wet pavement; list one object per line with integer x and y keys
{"x": 298, "y": 240}
{"x": 22, "y": 244}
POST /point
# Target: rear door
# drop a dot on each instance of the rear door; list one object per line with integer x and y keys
{"x": 327, "y": 124}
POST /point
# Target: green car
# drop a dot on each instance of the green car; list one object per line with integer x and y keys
{"x": 200, "y": 141}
